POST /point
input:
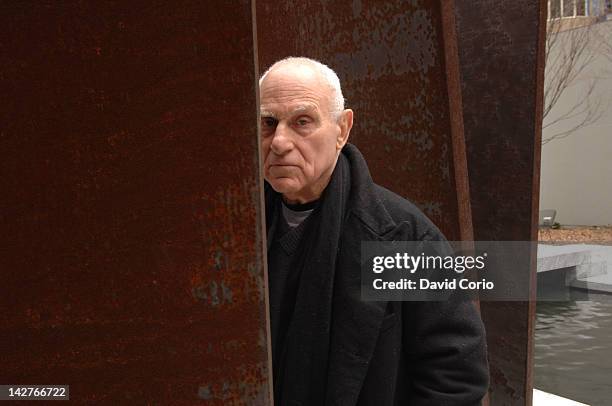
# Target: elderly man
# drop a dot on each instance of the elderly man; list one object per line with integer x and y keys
{"x": 328, "y": 346}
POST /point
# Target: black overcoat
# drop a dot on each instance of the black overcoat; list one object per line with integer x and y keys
{"x": 395, "y": 353}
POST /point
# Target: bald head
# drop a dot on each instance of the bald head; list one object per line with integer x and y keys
{"x": 311, "y": 70}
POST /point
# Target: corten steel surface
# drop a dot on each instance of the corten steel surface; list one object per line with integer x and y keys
{"x": 398, "y": 69}
{"x": 132, "y": 266}
{"x": 501, "y": 58}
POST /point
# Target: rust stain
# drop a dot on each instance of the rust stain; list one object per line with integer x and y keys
{"x": 501, "y": 59}
{"x": 390, "y": 59}
{"x": 133, "y": 270}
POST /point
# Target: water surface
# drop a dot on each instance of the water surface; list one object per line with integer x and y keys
{"x": 573, "y": 348}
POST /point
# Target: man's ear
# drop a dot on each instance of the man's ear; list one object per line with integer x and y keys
{"x": 346, "y": 123}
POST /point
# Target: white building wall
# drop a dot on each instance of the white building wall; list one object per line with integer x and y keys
{"x": 576, "y": 176}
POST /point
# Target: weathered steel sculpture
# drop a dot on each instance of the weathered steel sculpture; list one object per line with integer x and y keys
{"x": 132, "y": 265}
{"x": 398, "y": 65}
{"x": 502, "y": 70}
{"x": 132, "y": 222}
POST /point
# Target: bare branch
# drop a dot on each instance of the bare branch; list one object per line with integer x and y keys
{"x": 569, "y": 53}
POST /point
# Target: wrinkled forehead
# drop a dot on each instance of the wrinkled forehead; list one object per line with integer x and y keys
{"x": 288, "y": 89}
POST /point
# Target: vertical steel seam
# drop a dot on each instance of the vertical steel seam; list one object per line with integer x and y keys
{"x": 262, "y": 209}
{"x": 535, "y": 195}
{"x": 455, "y": 107}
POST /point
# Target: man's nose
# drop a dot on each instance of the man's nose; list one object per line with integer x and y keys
{"x": 281, "y": 140}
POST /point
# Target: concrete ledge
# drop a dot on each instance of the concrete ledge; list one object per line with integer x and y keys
{"x": 592, "y": 284}
{"x": 552, "y": 257}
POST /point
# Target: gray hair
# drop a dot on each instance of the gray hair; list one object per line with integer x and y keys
{"x": 329, "y": 76}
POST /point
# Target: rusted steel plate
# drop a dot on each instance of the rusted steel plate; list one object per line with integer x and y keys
{"x": 391, "y": 58}
{"x": 132, "y": 256}
{"x": 501, "y": 60}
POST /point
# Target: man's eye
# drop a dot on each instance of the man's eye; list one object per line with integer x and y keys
{"x": 301, "y": 122}
{"x": 268, "y": 122}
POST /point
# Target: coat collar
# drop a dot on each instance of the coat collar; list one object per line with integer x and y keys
{"x": 364, "y": 201}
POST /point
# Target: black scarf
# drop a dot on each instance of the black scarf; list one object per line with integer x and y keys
{"x": 306, "y": 354}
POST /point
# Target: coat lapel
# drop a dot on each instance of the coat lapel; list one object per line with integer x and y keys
{"x": 356, "y": 323}
{"x": 356, "y": 329}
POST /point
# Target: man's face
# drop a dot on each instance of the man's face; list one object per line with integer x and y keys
{"x": 300, "y": 137}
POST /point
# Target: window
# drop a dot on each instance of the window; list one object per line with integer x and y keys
{"x": 572, "y": 8}
{"x": 568, "y": 8}
{"x": 555, "y": 8}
